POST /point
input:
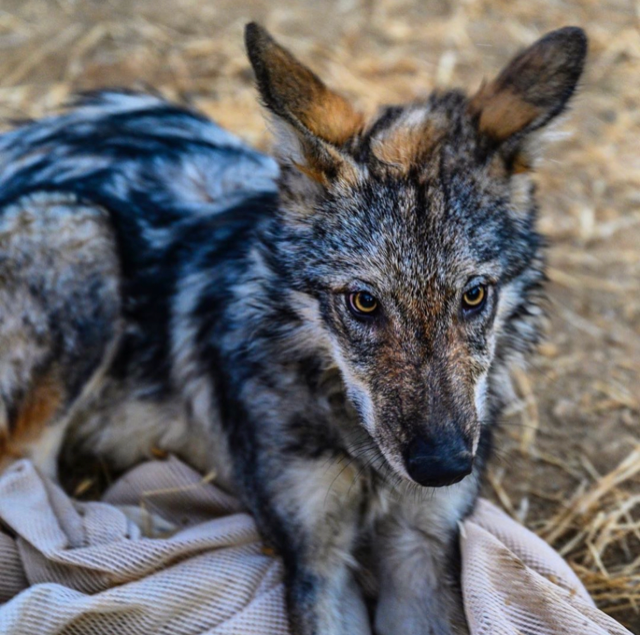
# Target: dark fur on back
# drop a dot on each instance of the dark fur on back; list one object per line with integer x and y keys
{"x": 174, "y": 184}
{"x": 223, "y": 288}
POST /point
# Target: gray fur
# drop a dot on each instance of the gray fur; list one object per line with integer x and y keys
{"x": 166, "y": 287}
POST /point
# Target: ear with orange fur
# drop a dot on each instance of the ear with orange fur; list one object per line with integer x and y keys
{"x": 322, "y": 120}
{"x": 534, "y": 87}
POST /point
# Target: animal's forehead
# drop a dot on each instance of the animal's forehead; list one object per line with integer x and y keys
{"x": 399, "y": 234}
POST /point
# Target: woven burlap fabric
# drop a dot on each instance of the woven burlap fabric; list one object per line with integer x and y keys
{"x": 514, "y": 583}
{"x": 167, "y": 552}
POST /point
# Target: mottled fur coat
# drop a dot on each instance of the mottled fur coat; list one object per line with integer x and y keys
{"x": 331, "y": 333}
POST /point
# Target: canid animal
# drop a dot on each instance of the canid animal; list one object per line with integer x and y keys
{"x": 333, "y": 334}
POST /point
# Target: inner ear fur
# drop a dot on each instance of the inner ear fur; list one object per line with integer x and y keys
{"x": 322, "y": 119}
{"x": 533, "y": 88}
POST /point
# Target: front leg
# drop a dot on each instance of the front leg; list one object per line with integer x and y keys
{"x": 418, "y": 569}
{"x": 313, "y": 521}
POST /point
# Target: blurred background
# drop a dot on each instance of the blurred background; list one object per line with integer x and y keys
{"x": 568, "y": 454}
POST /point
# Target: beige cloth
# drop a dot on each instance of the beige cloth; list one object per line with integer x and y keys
{"x": 169, "y": 553}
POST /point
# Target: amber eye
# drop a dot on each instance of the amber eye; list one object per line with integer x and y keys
{"x": 362, "y": 304}
{"x": 474, "y": 298}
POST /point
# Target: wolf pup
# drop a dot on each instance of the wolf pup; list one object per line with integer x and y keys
{"x": 337, "y": 347}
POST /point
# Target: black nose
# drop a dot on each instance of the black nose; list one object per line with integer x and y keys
{"x": 438, "y": 460}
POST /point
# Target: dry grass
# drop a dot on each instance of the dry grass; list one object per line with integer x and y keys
{"x": 570, "y": 443}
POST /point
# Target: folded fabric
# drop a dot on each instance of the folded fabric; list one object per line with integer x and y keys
{"x": 167, "y": 552}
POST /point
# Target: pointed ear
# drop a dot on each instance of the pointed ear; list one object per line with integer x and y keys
{"x": 321, "y": 120}
{"x": 534, "y": 87}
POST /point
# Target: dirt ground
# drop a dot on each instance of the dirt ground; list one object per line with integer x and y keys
{"x": 568, "y": 461}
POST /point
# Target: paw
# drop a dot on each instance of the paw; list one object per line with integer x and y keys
{"x": 412, "y": 618}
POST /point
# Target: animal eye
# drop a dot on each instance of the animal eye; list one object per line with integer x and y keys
{"x": 474, "y": 298}
{"x": 362, "y": 304}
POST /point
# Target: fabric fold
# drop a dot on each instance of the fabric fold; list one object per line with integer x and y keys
{"x": 168, "y": 552}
